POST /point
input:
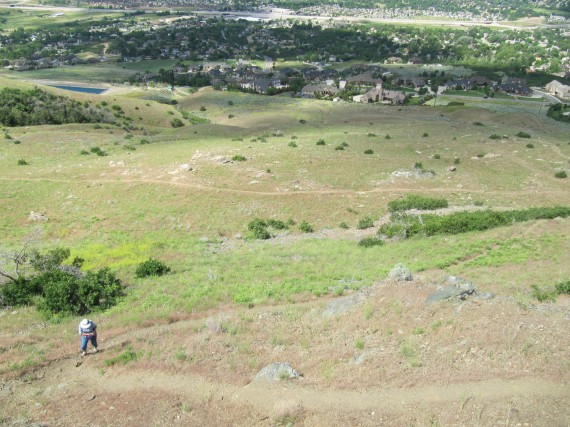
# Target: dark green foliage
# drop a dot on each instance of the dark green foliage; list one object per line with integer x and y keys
{"x": 277, "y": 224}
{"x": 463, "y": 222}
{"x": 368, "y": 242}
{"x": 561, "y": 174}
{"x": 129, "y": 355}
{"x": 437, "y": 156}
{"x": 455, "y": 104}
{"x": 176, "y": 123}
{"x": 387, "y": 137}
{"x": 557, "y": 111}
{"x": 151, "y": 267}
{"x": 543, "y": 295}
{"x": 144, "y": 142}
{"x": 37, "y": 107}
{"x": 529, "y": 145}
{"x": 22, "y": 162}
{"x": 369, "y": 151}
{"x": 344, "y": 225}
{"x": 339, "y": 148}
{"x": 495, "y": 136}
{"x": 49, "y": 261}
{"x": 306, "y": 227}
{"x": 321, "y": 142}
{"x": 425, "y": 135}
{"x": 98, "y": 151}
{"x": 129, "y": 147}
{"x": 478, "y": 124}
{"x": 456, "y": 161}
{"x": 302, "y": 121}
{"x": 370, "y": 134}
{"x": 19, "y": 292}
{"x": 239, "y": 158}
{"x": 17, "y": 142}
{"x": 418, "y": 165}
{"x": 60, "y": 292}
{"x": 417, "y": 201}
{"x": 292, "y": 144}
{"x": 84, "y": 152}
{"x": 365, "y": 223}
{"x": 258, "y": 229}
{"x": 202, "y": 108}
{"x": 522, "y": 134}
{"x": 563, "y": 287}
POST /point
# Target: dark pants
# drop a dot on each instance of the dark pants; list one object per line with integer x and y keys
{"x": 85, "y": 339}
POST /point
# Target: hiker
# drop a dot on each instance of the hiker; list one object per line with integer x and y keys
{"x": 88, "y": 331}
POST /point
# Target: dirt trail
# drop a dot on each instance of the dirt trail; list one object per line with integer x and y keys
{"x": 282, "y": 193}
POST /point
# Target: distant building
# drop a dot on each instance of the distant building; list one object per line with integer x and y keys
{"x": 558, "y": 89}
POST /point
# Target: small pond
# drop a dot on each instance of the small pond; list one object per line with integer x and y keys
{"x": 94, "y": 90}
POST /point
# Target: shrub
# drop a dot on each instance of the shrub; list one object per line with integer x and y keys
{"x": 455, "y": 104}
{"x": 495, "y": 136}
{"x": 456, "y": 161}
{"x": 418, "y": 165}
{"x": 370, "y": 134}
{"x": 302, "y": 121}
{"x": 425, "y": 135}
{"x": 151, "y": 267}
{"x": 98, "y": 151}
{"x": 239, "y": 158}
{"x": 368, "y": 242}
{"x": 343, "y": 225}
{"x": 202, "y": 108}
{"x": 277, "y": 224}
{"x": 129, "y": 147}
{"x": 321, "y": 142}
{"x": 369, "y": 152}
{"x": 17, "y": 142}
{"x": 559, "y": 174}
{"x": 462, "y": 222}
{"x": 344, "y": 144}
{"x": 478, "y": 124}
{"x": 292, "y": 144}
{"x": 22, "y": 162}
{"x": 339, "y": 148}
{"x": 84, "y": 152}
{"x": 258, "y": 229}
{"x": 529, "y": 145}
{"x": 387, "y": 136}
{"x": 417, "y": 201}
{"x": 230, "y": 116}
{"x": 17, "y": 293}
{"x": 481, "y": 155}
{"x": 543, "y": 295}
{"x": 230, "y": 102}
{"x": 522, "y": 134}
{"x": 437, "y": 156}
{"x": 176, "y": 123}
{"x": 563, "y": 287}
{"x": 306, "y": 227}
{"x": 144, "y": 142}
{"x": 365, "y": 223}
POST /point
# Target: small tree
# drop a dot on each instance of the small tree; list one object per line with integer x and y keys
{"x": 151, "y": 267}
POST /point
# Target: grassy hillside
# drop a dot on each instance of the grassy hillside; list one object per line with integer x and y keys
{"x": 179, "y": 194}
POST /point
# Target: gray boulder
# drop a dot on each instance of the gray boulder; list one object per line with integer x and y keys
{"x": 454, "y": 287}
{"x": 401, "y": 273}
{"x": 276, "y": 372}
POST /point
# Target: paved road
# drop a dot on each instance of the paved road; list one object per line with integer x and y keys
{"x": 552, "y": 99}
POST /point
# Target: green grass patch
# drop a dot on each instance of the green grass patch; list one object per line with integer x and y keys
{"x": 417, "y": 201}
{"x": 128, "y": 356}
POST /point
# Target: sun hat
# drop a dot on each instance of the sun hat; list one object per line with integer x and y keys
{"x": 85, "y": 322}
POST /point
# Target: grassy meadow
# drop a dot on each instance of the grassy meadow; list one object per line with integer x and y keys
{"x": 138, "y": 201}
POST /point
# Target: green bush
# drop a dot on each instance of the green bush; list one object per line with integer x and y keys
{"x": 60, "y": 293}
{"x": 563, "y": 287}
{"x": 176, "y": 123}
{"x": 462, "y": 222}
{"x": 84, "y": 152}
{"x": 17, "y": 293}
{"x": 306, "y": 227}
{"x": 22, "y": 162}
{"x": 343, "y": 225}
{"x": 561, "y": 174}
{"x": 368, "y": 242}
{"x": 292, "y": 144}
{"x": 151, "y": 267}
{"x": 522, "y": 134}
{"x": 277, "y": 224}
{"x": 365, "y": 223}
{"x": 339, "y": 148}
{"x": 543, "y": 295}
{"x": 416, "y": 201}
{"x": 387, "y": 137}
{"x": 437, "y": 156}
{"x": 321, "y": 142}
{"x": 478, "y": 124}
{"x": 98, "y": 151}
{"x": 258, "y": 229}
{"x": 495, "y": 136}
{"x": 529, "y": 145}
{"x": 239, "y": 158}
{"x": 369, "y": 151}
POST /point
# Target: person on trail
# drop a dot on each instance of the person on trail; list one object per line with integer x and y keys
{"x": 88, "y": 331}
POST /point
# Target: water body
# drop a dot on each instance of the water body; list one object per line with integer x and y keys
{"x": 94, "y": 90}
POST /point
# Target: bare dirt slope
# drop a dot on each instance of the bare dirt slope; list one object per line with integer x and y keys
{"x": 384, "y": 357}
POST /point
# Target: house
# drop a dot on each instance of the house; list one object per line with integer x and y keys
{"x": 321, "y": 89}
{"x": 558, "y": 89}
